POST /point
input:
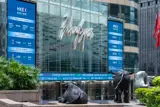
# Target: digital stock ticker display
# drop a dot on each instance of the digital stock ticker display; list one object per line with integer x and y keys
{"x": 21, "y": 31}
{"x": 115, "y": 46}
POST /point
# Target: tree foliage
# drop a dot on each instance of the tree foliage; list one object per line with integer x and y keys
{"x": 16, "y": 76}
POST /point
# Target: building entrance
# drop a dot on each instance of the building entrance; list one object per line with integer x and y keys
{"x": 96, "y": 90}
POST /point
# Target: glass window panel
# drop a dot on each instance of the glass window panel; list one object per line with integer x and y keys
{"x": 44, "y": 5}
{"x": 85, "y": 4}
{"x": 76, "y": 14}
{"x": 131, "y": 37}
{"x": 66, "y": 2}
{"x": 114, "y": 10}
{"x": 54, "y": 10}
{"x": 55, "y": 1}
{"x": 86, "y": 16}
{"x": 94, "y": 18}
{"x": 103, "y": 9}
{"x": 95, "y": 6}
{"x": 130, "y": 61}
{"x": 102, "y": 20}
{"x": 65, "y": 11}
{"x": 76, "y": 3}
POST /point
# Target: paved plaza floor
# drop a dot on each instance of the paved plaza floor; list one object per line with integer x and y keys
{"x": 11, "y": 103}
{"x": 106, "y": 102}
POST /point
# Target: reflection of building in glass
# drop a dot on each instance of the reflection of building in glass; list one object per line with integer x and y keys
{"x": 149, "y": 55}
{"x": 54, "y": 55}
{"x": 58, "y": 56}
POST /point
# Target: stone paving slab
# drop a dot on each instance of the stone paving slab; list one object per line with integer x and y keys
{"x": 11, "y": 103}
{"x": 99, "y": 104}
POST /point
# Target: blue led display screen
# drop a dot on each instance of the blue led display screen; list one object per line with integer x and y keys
{"x": 21, "y": 31}
{"x": 73, "y": 76}
{"x": 115, "y": 46}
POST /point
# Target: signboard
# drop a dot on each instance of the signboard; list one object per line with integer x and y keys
{"x": 73, "y": 76}
{"x": 115, "y": 46}
{"x": 21, "y": 32}
{"x": 81, "y": 33}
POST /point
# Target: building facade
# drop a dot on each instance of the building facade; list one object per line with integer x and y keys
{"x": 149, "y": 55}
{"x": 54, "y": 55}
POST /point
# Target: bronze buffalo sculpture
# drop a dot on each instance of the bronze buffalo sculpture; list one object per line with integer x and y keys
{"x": 121, "y": 82}
{"x": 73, "y": 95}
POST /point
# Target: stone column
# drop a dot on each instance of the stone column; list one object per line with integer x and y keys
{"x": 89, "y": 91}
{"x": 102, "y": 90}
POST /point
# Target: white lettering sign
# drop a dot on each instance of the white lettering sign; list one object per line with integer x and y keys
{"x": 21, "y": 9}
{"x": 115, "y": 27}
{"x": 80, "y": 33}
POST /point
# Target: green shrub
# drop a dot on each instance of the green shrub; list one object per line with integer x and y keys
{"x": 15, "y": 76}
{"x": 5, "y": 82}
{"x": 150, "y": 96}
{"x": 156, "y": 81}
{"x": 141, "y": 94}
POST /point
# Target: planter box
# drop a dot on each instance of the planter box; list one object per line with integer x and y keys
{"x": 21, "y": 95}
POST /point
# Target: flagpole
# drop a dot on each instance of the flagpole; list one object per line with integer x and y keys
{"x": 157, "y": 50}
{"x": 157, "y": 13}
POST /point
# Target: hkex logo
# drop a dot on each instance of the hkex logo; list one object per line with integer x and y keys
{"x": 22, "y": 9}
{"x": 115, "y": 27}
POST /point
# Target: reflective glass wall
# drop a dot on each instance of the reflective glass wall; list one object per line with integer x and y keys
{"x": 149, "y": 55}
{"x": 57, "y": 55}
{"x": 54, "y": 55}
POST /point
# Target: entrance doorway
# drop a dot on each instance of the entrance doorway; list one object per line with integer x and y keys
{"x": 96, "y": 90}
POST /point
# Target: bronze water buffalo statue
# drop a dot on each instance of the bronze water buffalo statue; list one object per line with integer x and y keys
{"x": 121, "y": 84}
{"x": 73, "y": 95}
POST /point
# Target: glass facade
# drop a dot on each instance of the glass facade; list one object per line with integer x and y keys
{"x": 131, "y": 38}
{"x": 149, "y": 55}
{"x": 54, "y": 55}
{"x": 127, "y": 13}
{"x": 58, "y": 55}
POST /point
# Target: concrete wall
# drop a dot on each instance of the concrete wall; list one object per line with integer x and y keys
{"x": 16, "y": 98}
{"x": 21, "y": 95}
